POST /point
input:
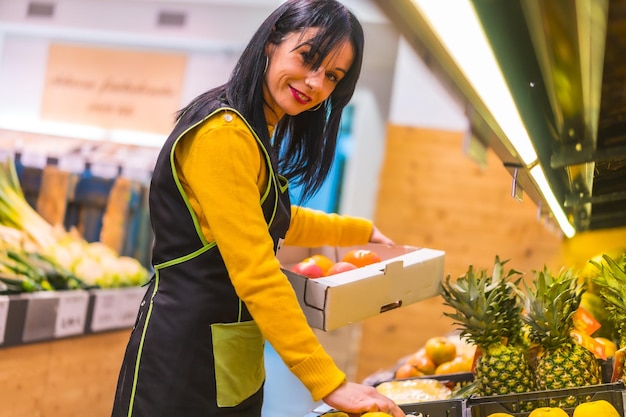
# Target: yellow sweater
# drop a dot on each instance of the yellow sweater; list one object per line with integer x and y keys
{"x": 223, "y": 171}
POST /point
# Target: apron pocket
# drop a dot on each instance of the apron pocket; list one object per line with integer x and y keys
{"x": 239, "y": 367}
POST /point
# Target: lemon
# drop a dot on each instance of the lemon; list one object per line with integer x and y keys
{"x": 595, "y": 409}
{"x": 549, "y": 412}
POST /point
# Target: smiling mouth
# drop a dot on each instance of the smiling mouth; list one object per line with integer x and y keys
{"x": 299, "y": 96}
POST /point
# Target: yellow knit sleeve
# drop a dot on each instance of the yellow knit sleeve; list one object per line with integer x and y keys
{"x": 223, "y": 172}
{"x": 313, "y": 228}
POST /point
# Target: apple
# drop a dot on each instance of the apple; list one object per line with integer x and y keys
{"x": 340, "y": 267}
{"x": 440, "y": 349}
{"x": 308, "y": 269}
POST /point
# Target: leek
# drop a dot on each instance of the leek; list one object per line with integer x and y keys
{"x": 17, "y": 213}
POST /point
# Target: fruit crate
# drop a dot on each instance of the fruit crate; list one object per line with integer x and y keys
{"x": 566, "y": 399}
{"x": 452, "y": 407}
{"x": 441, "y": 408}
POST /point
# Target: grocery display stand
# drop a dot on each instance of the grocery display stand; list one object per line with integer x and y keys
{"x": 49, "y": 315}
{"x": 614, "y": 393}
{"x": 473, "y": 406}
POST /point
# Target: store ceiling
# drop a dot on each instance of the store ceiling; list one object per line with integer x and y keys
{"x": 563, "y": 61}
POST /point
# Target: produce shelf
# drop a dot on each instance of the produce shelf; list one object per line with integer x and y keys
{"x": 49, "y": 315}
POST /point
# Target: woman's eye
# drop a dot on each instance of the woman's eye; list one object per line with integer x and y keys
{"x": 332, "y": 77}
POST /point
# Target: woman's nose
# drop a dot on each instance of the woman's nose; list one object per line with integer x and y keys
{"x": 315, "y": 79}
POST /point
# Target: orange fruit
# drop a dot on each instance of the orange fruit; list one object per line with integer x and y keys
{"x": 340, "y": 267}
{"x": 361, "y": 257}
{"x": 422, "y": 362}
{"x": 322, "y": 261}
{"x": 407, "y": 371}
{"x": 440, "y": 349}
{"x": 453, "y": 366}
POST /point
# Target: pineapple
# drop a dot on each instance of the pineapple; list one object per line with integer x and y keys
{"x": 611, "y": 282}
{"x": 487, "y": 311}
{"x": 550, "y": 302}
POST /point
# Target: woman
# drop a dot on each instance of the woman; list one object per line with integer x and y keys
{"x": 220, "y": 211}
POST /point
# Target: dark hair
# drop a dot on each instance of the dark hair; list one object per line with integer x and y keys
{"x": 304, "y": 144}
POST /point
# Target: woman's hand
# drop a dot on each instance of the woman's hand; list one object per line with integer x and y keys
{"x": 355, "y": 399}
{"x": 378, "y": 237}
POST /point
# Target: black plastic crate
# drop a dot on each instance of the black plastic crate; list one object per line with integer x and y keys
{"x": 452, "y": 407}
{"x": 516, "y": 404}
{"x": 441, "y": 408}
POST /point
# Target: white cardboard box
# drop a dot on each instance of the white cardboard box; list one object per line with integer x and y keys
{"x": 404, "y": 276}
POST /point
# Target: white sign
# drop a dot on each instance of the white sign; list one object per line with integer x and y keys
{"x": 115, "y": 308}
{"x": 71, "y": 313}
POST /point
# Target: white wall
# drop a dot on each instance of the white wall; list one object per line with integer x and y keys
{"x": 418, "y": 97}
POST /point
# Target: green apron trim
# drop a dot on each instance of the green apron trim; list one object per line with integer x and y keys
{"x": 239, "y": 368}
{"x": 143, "y": 336}
{"x": 283, "y": 183}
{"x": 271, "y": 173}
{"x": 186, "y": 257}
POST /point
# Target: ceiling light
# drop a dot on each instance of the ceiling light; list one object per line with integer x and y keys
{"x": 458, "y": 28}
{"x": 541, "y": 181}
{"x": 460, "y": 32}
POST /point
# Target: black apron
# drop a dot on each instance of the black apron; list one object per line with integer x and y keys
{"x": 194, "y": 350}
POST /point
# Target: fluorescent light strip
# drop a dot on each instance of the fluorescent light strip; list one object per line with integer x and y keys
{"x": 70, "y": 130}
{"x": 456, "y": 24}
{"x": 540, "y": 179}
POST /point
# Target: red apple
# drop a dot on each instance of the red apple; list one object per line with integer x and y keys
{"x": 308, "y": 269}
{"x": 340, "y": 267}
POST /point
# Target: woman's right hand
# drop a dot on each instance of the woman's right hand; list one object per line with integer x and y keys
{"x": 355, "y": 399}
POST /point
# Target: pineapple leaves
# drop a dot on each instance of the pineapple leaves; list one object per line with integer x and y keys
{"x": 549, "y": 304}
{"x": 483, "y": 305}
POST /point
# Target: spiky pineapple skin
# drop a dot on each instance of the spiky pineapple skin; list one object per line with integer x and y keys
{"x": 502, "y": 370}
{"x": 568, "y": 366}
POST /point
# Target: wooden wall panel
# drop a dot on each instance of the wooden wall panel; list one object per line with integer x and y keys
{"x": 432, "y": 195}
{"x": 73, "y": 377}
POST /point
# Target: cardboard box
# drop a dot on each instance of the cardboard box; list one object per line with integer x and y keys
{"x": 404, "y": 276}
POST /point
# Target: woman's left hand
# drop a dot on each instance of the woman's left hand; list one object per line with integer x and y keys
{"x": 378, "y": 237}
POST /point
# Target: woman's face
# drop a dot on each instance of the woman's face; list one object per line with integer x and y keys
{"x": 291, "y": 86}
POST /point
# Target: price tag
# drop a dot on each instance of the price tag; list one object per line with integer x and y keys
{"x": 4, "y": 312}
{"x": 71, "y": 313}
{"x": 34, "y": 159}
{"x": 115, "y": 308}
{"x": 105, "y": 314}
{"x": 104, "y": 170}
{"x": 72, "y": 163}
{"x": 129, "y": 304}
